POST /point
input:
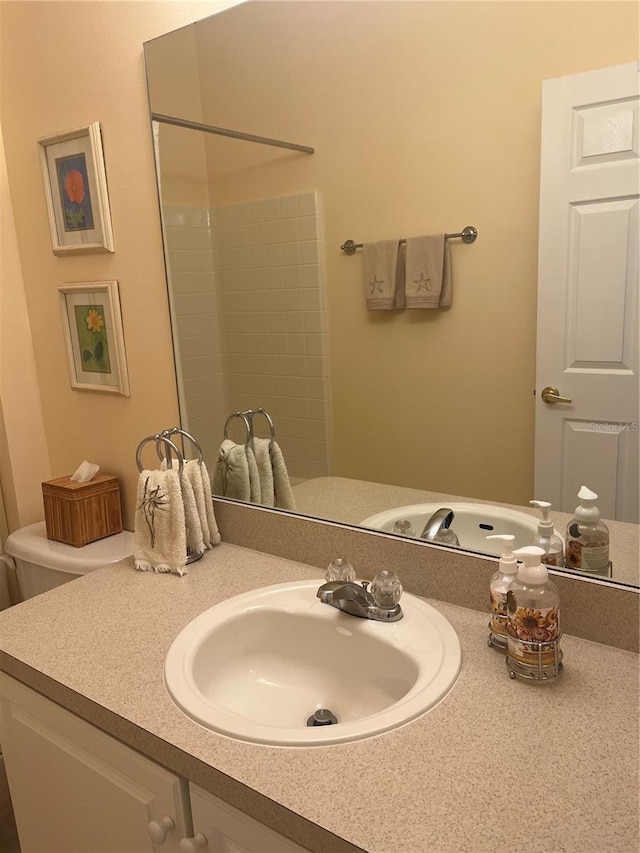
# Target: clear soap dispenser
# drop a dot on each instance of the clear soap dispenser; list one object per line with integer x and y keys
{"x": 533, "y": 614}
{"x": 587, "y": 536}
{"x": 498, "y": 587}
{"x": 546, "y": 538}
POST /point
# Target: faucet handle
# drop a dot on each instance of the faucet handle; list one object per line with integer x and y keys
{"x": 340, "y": 570}
{"x": 386, "y": 589}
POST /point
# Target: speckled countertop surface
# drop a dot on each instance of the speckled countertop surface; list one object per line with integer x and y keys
{"x": 497, "y": 765}
{"x": 351, "y": 501}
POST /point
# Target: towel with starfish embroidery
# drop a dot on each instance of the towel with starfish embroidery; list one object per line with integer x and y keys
{"x": 428, "y": 272}
{"x": 160, "y": 543}
{"x": 384, "y": 275}
{"x": 236, "y": 473}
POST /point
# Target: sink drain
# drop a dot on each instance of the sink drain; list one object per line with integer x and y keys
{"x": 322, "y": 717}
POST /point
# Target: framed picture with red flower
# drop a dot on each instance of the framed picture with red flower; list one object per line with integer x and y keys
{"x": 94, "y": 338}
{"x": 75, "y": 188}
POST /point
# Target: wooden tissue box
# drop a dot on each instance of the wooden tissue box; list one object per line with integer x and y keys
{"x": 79, "y": 513}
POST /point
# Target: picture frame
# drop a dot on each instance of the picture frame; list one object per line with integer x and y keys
{"x": 94, "y": 337}
{"x": 75, "y": 188}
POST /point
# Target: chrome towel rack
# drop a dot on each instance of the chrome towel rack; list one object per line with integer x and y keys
{"x": 247, "y": 417}
{"x": 167, "y": 449}
{"x": 467, "y": 235}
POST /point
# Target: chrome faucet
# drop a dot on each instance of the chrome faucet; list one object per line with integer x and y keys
{"x": 356, "y": 600}
{"x": 439, "y": 521}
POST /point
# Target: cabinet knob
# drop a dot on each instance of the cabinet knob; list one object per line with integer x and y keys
{"x": 159, "y": 829}
{"x": 192, "y": 845}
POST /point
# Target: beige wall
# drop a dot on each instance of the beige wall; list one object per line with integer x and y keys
{"x": 64, "y": 65}
{"x": 23, "y": 446}
{"x": 425, "y": 117}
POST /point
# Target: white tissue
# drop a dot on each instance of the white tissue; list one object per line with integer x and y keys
{"x": 86, "y": 471}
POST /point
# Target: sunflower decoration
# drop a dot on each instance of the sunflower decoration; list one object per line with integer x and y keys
{"x": 531, "y": 625}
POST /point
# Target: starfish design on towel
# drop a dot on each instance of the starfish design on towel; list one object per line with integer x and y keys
{"x": 375, "y": 285}
{"x": 422, "y": 282}
{"x": 153, "y": 499}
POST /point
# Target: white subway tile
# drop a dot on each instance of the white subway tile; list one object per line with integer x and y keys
{"x": 273, "y": 231}
{"x": 309, "y": 252}
{"x": 291, "y": 253}
{"x": 291, "y": 276}
{"x": 310, "y": 275}
{"x": 308, "y": 228}
{"x": 257, "y": 256}
{"x": 290, "y": 230}
{"x": 293, "y": 300}
{"x": 295, "y": 322}
{"x": 288, "y": 207}
{"x": 273, "y": 255}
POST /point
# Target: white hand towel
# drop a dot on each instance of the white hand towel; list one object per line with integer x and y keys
{"x": 428, "y": 272}
{"x": 198, "y": 476}
{"x": 160, "y": 543}
{"x": 195, "y": 537}
{"x": 254, "y": 476}
{"x": 383, "y": 275}
{"x": 214, "y": 533}
{"x": 284, "y": 498}
{"x": 231, "y": 474}
{"x": 265, "y": 472}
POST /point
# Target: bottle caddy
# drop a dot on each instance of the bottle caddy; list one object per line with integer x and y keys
{"x": 533, "y": 620}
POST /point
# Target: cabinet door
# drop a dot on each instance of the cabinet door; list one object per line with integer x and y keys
{"x": 77, "y": 790}
{"x": 228, "y": 830}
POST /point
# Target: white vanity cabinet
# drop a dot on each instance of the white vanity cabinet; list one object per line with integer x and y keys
{"x": 76, "y": 789}
{"x": 228, "y": 830}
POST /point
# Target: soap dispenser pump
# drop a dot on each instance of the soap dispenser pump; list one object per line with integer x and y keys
{"x": 587, "y": 536}
{"x": 498, "y": 587}
{"x": 546, "y": 538}
{"x": 533, "y": 614}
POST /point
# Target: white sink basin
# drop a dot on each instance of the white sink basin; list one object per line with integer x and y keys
{"x": 472, "y": 523}
{"x": 257, "y": 666}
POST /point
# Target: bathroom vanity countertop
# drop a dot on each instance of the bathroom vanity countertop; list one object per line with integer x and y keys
{"x": 351, "y": 501}
{"x": 497, "y": 765}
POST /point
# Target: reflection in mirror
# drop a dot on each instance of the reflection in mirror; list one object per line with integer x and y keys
{"x": 423, "y": 117}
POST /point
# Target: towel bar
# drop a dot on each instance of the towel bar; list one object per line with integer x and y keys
{"x": 468, "y": 235}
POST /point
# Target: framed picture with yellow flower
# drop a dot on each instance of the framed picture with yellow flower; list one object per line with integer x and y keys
{"x": 94, "y": 338}
{"x": 75, "y": 187}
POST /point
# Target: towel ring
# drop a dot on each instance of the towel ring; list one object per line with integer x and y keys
{"x": 248, "y": 426}
{"x": 159, "y": 437}
{"x": 167, "y": 433}
{"x": 272, "y": 428}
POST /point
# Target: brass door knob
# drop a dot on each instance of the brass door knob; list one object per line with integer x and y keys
{"x": 552, "y": 395}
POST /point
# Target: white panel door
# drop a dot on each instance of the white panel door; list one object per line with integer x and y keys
{"x": 222, "y": 828}
{"x": 77, "y": 790}
{"x": 588, "y": 291}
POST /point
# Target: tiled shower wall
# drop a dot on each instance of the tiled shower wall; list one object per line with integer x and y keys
{"x": 249, "y": 307}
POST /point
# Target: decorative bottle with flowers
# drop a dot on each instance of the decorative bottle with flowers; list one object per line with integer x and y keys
{"x": 533, "y": 619}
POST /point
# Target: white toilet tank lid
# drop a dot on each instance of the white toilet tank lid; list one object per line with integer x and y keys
{"x": 31, "y": 544}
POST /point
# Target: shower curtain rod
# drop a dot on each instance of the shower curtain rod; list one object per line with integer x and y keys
{"x": 234, "y": 134}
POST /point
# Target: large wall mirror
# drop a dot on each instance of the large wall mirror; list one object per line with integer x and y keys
{"x": 400, "y": 119}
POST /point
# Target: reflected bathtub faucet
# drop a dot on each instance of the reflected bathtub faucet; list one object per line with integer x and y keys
{"x": 437, "y": 528}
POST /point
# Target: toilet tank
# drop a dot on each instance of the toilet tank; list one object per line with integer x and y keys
{"x": 43, "y": 564}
